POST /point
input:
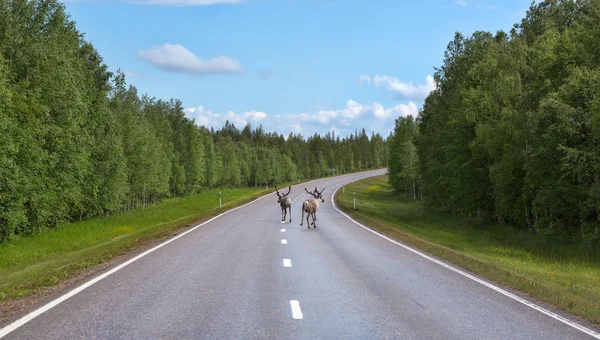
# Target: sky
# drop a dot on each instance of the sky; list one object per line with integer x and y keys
{"x": 294, "y": 66}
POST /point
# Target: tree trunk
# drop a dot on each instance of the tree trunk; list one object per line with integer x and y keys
{"x": 527, "y": 216}
{"x": 581, "y": 223}
{"x": 414, "y": 191}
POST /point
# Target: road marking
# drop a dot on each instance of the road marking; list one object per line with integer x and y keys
{"x": 25, "y": 319}
{"x": 476, "y": 279}
{"x": 283, "y": 230}
{"x": 284, "y": 241}
{"x": 296, "y": 311}
{"x": 20, "y": 322}
{"x": 287, "y": 263}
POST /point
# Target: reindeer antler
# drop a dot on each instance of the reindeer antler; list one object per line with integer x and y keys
{"x": 311, "y": 193}
{"x": 277, "y": 192}
{"x": 319, "y": 192}
{"x": 289, "y": 190}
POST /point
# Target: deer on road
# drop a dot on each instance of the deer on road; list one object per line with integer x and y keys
{"x": 311, "y": 206}
{"x": 285, "y": 203}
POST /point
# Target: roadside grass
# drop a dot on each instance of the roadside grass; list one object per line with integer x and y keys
{"x": 561, "y": 273}
{"x": 32, "y": 263}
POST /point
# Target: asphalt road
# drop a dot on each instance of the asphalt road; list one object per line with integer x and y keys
{"x": 229, "y": 279}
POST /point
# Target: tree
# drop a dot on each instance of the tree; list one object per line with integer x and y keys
{"x": 403, "y": 158}
{"x": 78, "y": 142}
{"x": 510, "y": 131}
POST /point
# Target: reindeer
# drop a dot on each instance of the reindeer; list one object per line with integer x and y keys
{"x": 311, "y": 206}
{"x": 285, "y": 203}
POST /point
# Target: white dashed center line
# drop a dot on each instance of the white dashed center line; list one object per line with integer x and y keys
{"x": 296, "y": 311}
{"x": 283, "y": 230}
{"x": 284, "y": 241}
{"x": 287, "y": 263}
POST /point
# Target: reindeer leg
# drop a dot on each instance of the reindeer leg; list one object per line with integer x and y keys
{"x": 283, "y": 212}
{"x": 314, "y": 216}
{"x": 302, "y": 219}
{"x": 290, "y": 213}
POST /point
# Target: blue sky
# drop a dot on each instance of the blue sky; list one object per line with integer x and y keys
{"x": 300, "y": 66}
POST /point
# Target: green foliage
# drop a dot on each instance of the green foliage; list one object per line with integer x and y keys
{"x": 511, "y": 131}
{"x": 403, "y": 166}
{"x": 77, "y": 142}
{"x": 29, "y": 264}
{"x": 561, "y": 272}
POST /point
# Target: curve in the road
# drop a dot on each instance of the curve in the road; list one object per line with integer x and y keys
{"x": 227, "y": 281}
{"x": 474, "y": 278}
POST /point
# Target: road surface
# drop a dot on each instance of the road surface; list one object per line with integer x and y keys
{"x": 244, "y": 275}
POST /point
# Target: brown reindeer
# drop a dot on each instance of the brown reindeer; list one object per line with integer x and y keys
{"x": 311, "y": 206}
{"x": 285, "y": 203}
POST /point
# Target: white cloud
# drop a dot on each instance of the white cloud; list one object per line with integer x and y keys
{"x": 405, "y": 110}
{"x": 399, "y": 110}
{"x": 295, "y": 128}
{"x": 351, "y": 111}
{"x": 462, "y": 3}
{"x": 208, "y": 118}
{"x": 184, "y": 3}
{"x": 364, "y": 80}
{"x": 255, "y": 115}
{"x": 401, "y": 89}
{"x": 176, "y": 58}
{"x": 373, "y": 117}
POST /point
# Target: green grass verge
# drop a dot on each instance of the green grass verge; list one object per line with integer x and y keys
{"x": 33, "y": 263}
{"x": 563, "y": 274}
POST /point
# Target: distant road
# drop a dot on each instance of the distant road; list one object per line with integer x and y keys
{"x": 245, "y": 275}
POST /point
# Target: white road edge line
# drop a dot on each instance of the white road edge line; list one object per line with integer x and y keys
{"x": 284, "y": 241}
{"x": 296, "y": 311}
{"x": 476, "y": 279}
{"x": 20, "y": 322}
{"x": 287, "y": 263}
{"x": 25, "y": 319}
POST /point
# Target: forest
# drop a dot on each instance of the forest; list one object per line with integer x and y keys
{"x": 78, "y": 142}
{"x": 511, "y": 133}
